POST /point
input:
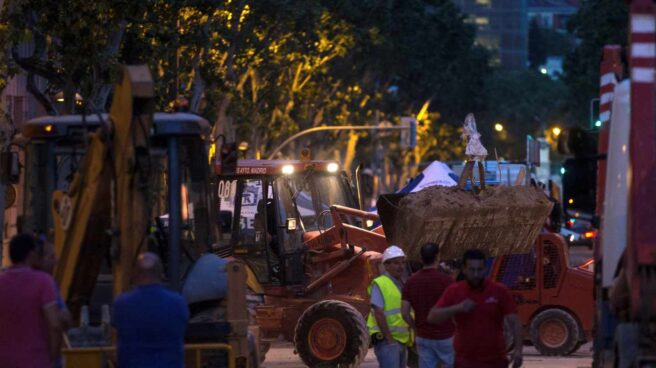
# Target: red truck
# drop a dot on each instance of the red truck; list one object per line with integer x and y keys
{"x": 625, "y": 253}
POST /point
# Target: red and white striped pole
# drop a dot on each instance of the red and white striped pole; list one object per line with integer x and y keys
{"x": 641, "y": 250}
{"x": 610, "y": 73}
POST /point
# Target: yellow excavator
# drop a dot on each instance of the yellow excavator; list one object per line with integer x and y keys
{"x": 126, "y": 182}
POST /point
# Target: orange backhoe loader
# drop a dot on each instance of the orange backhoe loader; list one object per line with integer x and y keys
{"x": 312, "y": 254}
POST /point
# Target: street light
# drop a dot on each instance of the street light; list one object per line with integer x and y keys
{"x": 556, "y": 131}
{"x": 498, "y": 127}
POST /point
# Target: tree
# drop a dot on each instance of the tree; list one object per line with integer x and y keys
{"x": 524, "y": 102}
{"x": 413, "y": 52}
{"x": 545, "y": 42}
{"x": 75, "y": 45}
{"x": 597, "y": 23}
{"x": 421, "y": 50}
{"x": 265, "y": 69}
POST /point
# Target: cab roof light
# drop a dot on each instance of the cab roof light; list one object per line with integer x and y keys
{"x": 288, "y": 169}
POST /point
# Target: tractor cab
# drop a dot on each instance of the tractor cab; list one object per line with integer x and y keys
{"x": 177, "y": 159}
{"x": 268, "y": 209}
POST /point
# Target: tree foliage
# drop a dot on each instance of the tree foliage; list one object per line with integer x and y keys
{"x": 545, "y": 42}
{"x": 524, "y": 102}
{"x": 264, "y": 69}
{"x": 74, "y": 45}
{"x": 597, "y": 23}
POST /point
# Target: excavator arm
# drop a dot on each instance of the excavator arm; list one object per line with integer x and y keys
{"x": 105, "y": 208}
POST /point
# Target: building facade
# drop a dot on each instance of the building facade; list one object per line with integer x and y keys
{"x": 552, "y": 14}
{"x": 502, "y": 28}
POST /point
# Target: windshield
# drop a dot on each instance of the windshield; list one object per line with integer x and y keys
{"x": 313, "y": 194}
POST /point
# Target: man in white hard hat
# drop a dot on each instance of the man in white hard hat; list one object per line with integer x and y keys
{"x": 390, "y": 334}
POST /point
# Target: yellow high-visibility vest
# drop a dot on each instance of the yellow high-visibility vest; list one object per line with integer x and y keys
{"x": 392, "y": 297}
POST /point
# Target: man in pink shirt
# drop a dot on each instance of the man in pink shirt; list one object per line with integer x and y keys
{"x": 30, "y": 330}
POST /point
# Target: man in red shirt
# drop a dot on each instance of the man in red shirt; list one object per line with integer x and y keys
{"x": 479, "y": 306}
{"x": 420, "y": 293}
{"x": 30, "y": 332}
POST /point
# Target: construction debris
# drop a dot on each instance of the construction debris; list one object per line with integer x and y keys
{"x": 498, "y": 220}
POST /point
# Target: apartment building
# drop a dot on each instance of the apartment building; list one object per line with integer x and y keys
{"x": 502, "y": 28}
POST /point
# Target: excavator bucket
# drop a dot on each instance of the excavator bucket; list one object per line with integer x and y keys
{"x": 498, "y": 220}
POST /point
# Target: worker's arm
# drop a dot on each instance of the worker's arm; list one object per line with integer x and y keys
{"x": 53, "y": 318}
{"x": 442, "y": 314}
{"x": 65, "y": 318}
{"x": 406, "y": 312}
{"x": 379, "y": 314}
{"x": 518, "y": 338}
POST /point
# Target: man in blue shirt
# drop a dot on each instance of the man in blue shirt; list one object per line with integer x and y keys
{"x": 150, "y": 320}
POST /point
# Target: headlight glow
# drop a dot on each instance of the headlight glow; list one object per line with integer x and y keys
{"x": 288, "y": 169}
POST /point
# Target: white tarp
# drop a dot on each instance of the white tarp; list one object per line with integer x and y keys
{"x": 437, "y": 173}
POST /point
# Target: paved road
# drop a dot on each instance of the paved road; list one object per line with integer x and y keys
{"x": 282, "y": 355}
{"x": 578, "y": 255}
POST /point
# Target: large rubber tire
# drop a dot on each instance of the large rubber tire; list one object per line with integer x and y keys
{"x": 576, "y": 348}
{"x": 554, "y": 332}
{"x": 331, "y": 334}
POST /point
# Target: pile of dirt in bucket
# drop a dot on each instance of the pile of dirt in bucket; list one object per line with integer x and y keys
{"x": 499, "y": 220}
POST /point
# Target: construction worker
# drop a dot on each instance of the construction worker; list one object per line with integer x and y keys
{"x": 420, "y": 293}
{"x": 479, "y": 307}
{"x": 390, "y": 334}
{"x": 150, "y": 320}
{"x": 30, "y": 323}
{"x": 46, "y": 263}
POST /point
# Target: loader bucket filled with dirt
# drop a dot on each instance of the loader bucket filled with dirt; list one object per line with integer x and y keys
{"x": 498, "y": 220}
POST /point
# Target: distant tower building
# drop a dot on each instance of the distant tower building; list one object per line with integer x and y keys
{"x": 502, "y": 28}
{"x": 552, "y": 14}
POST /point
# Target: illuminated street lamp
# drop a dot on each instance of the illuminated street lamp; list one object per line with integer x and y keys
{"x": 556, "y": 131}
{"x": 498, "y": 127}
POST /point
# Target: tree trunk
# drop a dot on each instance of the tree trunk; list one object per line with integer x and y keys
{"x": 101, "y": 92}
{"x": 198, "y": 88}
{"x": 69, "y": 99}
{"x": 350, "y": 151}
{"x": 40, "y": 97}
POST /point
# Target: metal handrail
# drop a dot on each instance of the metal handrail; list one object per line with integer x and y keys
{"x": 197, "y": 347}
{"x": 213, "y": 346}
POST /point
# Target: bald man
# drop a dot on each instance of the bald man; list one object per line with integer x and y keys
{"x": 150, "y": 320}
